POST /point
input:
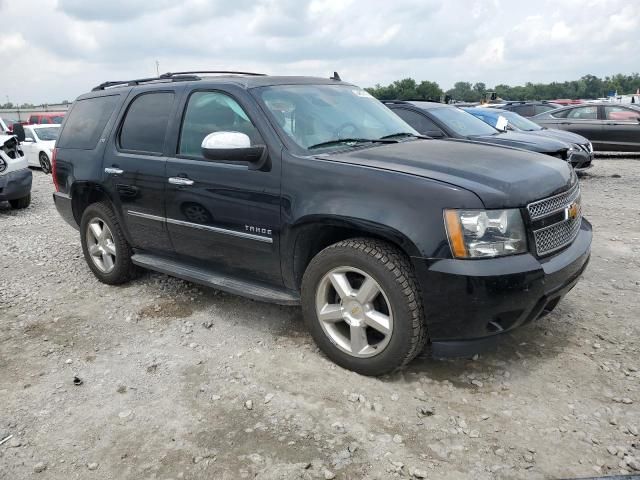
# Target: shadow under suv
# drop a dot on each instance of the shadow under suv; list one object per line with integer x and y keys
{"x": 308, "y": 191}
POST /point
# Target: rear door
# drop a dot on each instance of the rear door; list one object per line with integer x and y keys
{"x": 223, "y": 214}
{"x": 621, "y": 128}
{"x": 134, "y": 167}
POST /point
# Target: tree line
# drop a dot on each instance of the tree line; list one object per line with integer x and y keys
{"x": 587, "y": 87}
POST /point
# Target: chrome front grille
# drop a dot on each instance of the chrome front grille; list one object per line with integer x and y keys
{"x": 555, "y": 236}
{"x": 548, "y": 206}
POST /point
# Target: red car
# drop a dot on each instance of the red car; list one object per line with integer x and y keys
{"x": 46, "y": 118}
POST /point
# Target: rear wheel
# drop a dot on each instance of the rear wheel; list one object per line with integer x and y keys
{"x": 23, "y": 202}
{"x": 362, "y": 306}
{"x": 105, "y": 248}
{"x": 45, "y": 163}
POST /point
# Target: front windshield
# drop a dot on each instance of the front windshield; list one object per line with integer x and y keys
{"x": 520, "y": 123}
{"x": 46, "y": 134}
{"x": 461, "y": 122}
{"x": 317, "y": 114}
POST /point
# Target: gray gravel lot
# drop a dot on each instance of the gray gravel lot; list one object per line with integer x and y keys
{"x": 186, "y": 382}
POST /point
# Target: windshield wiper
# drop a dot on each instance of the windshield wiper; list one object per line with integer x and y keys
{"x": 404, "y": 134}
{"x": 351, "y": 140}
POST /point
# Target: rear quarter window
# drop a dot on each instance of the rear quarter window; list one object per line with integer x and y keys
{"x": 86, "y": 122}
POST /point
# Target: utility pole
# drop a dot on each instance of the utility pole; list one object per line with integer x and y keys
{"x": 157, "y": 68}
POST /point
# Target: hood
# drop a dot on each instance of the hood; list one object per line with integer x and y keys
{"x": 561, "y": 135}
{"x": 501, "y": 177}
{"x": 525, "y": 140}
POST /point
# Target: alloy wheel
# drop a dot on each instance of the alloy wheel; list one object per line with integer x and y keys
{"x": 101, "y": 246}
{"x": 354, "y": 311}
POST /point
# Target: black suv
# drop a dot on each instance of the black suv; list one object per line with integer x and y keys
{"x": 309, "y": 191}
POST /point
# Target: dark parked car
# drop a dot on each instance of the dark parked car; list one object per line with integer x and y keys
{"x": 580, "y": 154}
{"x": 527, "y": 108}
{"x": 438, "y": 120}
{"x": 309, "y": 191}
{"x": 609, "y": 126}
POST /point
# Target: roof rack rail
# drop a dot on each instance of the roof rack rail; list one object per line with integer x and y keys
{"x": 224, "y": 72}
{"x": 138, "y": 81}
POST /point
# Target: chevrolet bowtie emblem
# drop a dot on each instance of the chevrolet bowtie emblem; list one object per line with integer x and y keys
{"x": 572, "y": 211}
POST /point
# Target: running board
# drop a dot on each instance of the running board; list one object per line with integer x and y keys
{"x": 254, "y": 290}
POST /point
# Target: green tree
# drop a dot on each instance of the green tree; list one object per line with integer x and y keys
{"x": 427, "y": 90}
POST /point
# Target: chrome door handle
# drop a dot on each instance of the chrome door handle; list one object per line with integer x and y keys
{"x": 113, "y": 171}
{"x": 180, "y": 181}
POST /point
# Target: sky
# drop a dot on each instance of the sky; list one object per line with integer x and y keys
{"x": 54, "y": 50}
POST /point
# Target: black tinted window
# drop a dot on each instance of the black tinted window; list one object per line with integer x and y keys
{"x": 209, "y": 112}
{"x": 86, "y": 122}
{"x": 524, "y": 110}
{"x": 419, "y": 122}
{"x": 543, "y": 108}
{"x": 145, "y": 123}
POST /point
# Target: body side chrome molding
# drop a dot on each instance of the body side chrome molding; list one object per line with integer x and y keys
{"x": 209, "y": 228}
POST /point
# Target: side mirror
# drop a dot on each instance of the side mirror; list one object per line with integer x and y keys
{"x": 502, "y": 123}
{"x": 233, "y": 147}
{"x": 434, "y": 133}
{"x": 18, "y": 131}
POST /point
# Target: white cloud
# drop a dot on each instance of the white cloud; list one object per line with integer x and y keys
{"x": 58, "y": 49}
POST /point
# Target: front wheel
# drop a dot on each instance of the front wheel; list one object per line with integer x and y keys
{"x": 105, "y": 248}
{"x": 362, "y": 306}
{"x": 45, "y": 163}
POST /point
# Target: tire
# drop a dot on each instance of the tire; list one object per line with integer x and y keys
{"x": 45, "y": 163}
{"x": 111, "y": 258}
{"x": 403, "y": 334}
{"x": 23, "y": 202}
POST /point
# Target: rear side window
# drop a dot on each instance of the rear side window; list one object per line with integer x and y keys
{"x": 419, "y": 122}
{"x": 524, "y": 110}
{"x": 542, "y": 108}
{"x": 86, "y": 122}
{"x": 146, "y": 121}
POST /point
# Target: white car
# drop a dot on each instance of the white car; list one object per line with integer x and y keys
{"x": 15, "y": 176}
{"x": 38, "y": 145}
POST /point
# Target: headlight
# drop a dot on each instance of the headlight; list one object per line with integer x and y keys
{"x": 590, "y": 148}
{"x": 485, "y": 233}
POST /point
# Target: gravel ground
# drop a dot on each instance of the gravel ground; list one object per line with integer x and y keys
{"x": 186, "y": 382}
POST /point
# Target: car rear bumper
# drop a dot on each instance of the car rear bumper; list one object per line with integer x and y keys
{"x": 15, "y": 184}
{"x": 65, "y": 208}
{"x": 469, "y": 303}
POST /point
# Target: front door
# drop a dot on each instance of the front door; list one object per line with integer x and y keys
{"x": 134, "y": 168}
{"x": 223, "y": 214}
{"x": 584, "y": 121}
{"x": 29, "y": 147}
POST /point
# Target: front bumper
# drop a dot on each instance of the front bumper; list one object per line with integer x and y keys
{"x": 580, "y": 160}
{"x": 15, "y": 184}
{"x": 469, "y": 303}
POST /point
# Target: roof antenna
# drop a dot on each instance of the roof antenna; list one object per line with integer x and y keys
{"x": 335, "y": 77}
